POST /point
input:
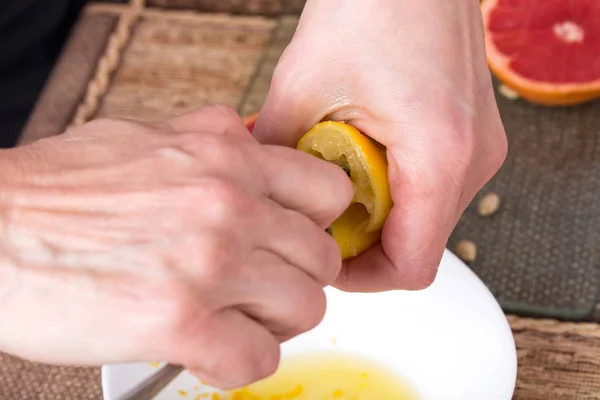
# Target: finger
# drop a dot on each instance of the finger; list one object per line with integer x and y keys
{"x": 371, "y": 271}
{"x": 412, "y": 245}
{"x": 284, "y": 117}
{"x": 282, "y": 297}
{"x": 216, "y": 119}
{"x": 230, "y": 351}
{"x": 302, "y": 182}
{"x": 300, "y": 242}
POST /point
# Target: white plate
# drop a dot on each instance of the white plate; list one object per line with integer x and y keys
{"x": 450, "y": 341}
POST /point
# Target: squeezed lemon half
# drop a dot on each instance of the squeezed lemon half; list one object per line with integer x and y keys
{"x": 364, "y": 160}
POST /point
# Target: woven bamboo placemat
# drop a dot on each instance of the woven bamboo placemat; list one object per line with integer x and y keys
{"x": 256, "y": 7}
{"x": 150, "y": 63}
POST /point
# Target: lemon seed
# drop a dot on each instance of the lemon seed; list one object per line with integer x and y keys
{"x": 466, "y": 250}
{"x": 508, "y": 92}
{"x": 489, "y": 204}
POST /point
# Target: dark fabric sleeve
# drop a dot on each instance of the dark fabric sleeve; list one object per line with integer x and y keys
{"x": 32, "y": 33}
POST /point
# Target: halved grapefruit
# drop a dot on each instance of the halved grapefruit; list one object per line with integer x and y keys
{"x": 548, "y": 51}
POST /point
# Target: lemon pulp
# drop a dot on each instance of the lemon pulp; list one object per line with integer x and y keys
{"x": 364, "y": 160}
{"x": 327, "y": 376}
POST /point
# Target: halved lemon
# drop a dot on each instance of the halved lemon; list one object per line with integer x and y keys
{"x": 364, "y": 160}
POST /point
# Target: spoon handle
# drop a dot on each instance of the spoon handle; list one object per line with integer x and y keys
{"x": 151, "y": 386}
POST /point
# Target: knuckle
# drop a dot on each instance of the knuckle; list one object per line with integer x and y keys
{"x": 310, "y": 311}
{"x": 226, "y": 118}
{"x": 247, "y": 366}
{"x": 178, "y": 309}
{"x": 225, "y": 203}
{"x": 417, "y": 274}
{"x": 215, "y": 150}
{"x": 217, "y": 260}
{"x": 265, "y": 364}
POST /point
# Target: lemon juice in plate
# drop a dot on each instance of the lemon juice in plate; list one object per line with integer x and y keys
{"x": 327, "y": 376}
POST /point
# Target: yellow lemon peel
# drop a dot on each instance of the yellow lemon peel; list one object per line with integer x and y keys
{"x": 359, "y": 227}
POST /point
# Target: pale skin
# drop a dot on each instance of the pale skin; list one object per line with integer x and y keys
{"x": 192, "y": 242}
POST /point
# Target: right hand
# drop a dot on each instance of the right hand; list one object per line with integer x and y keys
{"x": 185, "y": 241}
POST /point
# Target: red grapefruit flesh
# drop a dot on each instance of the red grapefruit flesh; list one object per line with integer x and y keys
{"x": 548, "y": 51}
{"x": 250, "y": 121}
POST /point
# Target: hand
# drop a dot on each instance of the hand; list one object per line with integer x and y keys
{"x": 413, "y": 76}
{"x": 184, "y": 241}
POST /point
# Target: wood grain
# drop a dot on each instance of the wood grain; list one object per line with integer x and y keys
{"x": 557, "y": 360}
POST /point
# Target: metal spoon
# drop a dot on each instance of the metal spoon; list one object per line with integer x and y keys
{"x": 154, "y": 384}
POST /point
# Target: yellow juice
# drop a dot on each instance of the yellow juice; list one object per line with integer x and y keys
{"x": 327, "y": 376}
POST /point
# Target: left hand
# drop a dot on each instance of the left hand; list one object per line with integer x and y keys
{"x": 413, "y": 76}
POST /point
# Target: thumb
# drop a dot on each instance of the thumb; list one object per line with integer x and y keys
{"x": 291, "y": 109}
